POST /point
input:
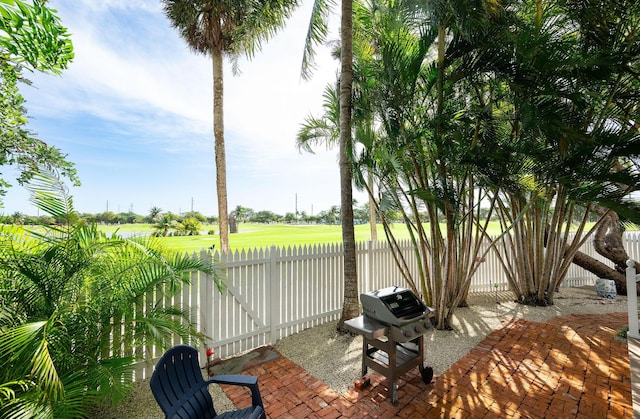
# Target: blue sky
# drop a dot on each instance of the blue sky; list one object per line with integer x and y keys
{"x": 134, "y": 113}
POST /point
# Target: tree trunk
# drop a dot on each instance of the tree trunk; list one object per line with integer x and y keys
{"x": 601, "y": 271}
{"x": 220, "y": 158}
{"x": 372, "y": 211}
{"x": 607, "y": 242}
{"x": 351, "y": 306}
{"x": 233, "y": 226}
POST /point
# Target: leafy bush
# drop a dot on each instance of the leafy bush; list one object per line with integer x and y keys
{"x": 622, "y": 333}
{"x": 62, "y": 295}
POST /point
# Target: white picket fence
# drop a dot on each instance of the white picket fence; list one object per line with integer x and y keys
{"x": 272, "y": 293}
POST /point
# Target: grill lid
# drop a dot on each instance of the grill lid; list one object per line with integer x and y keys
{"x": 393, "y": 305}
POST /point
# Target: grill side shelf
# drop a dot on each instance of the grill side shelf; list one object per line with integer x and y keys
{"x": 368, "y": 328}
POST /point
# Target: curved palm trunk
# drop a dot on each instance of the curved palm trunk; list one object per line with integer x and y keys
{"x": 350, "y": 307}
{"x": 221, "y": 163}
{"x": 607, "y": 242}
{"x": 372, "y": 211}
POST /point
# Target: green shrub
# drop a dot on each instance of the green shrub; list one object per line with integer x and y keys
{"x": 622, "y": 333}
{"x": 63, "y": 293}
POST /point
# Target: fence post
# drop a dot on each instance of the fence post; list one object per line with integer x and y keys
{"x": 632, "y": 299}
{"x": 205, "y": 303}
{"x": 369, "y": 270}
{"x": 274, "y": 291}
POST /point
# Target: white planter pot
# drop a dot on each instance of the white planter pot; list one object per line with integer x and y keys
{"x": 606, "y": 288}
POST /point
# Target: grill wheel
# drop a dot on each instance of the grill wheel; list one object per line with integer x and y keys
{"x": 427, "y": 374}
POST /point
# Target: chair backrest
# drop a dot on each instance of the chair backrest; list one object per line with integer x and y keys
{"x": 178, "y": 386}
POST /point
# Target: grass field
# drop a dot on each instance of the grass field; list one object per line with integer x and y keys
{"x": 252, "y": 236}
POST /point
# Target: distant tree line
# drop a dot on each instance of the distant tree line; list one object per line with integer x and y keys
{"x": 159, "y": 217}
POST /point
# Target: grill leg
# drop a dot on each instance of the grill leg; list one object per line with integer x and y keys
{"x": 393, "y": 391}
{"x": 393, "y": 364}
{"x": 365, "y": 346}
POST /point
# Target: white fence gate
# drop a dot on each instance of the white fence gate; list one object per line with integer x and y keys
{"x": 272, "y": 293}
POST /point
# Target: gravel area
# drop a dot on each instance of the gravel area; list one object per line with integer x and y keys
{"x": 335, "y": 358}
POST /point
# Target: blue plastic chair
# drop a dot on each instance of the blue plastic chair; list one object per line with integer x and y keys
{"x": 181, "y": 391}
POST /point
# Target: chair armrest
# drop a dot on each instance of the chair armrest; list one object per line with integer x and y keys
{"x": 234, "y": 379}
{"x": 249, "y": 381}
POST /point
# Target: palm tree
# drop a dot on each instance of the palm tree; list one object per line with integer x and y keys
{"x": 164, "y": 222}
{"x": 65, "y": 293}
{"x": 190, "y": 226}
{"x": 225, "y": 27}
{"x": 475, "y": 116}
{"x": 578, "y": 139}
{"x": 318, "y": 30}
{"x": 242, "y": 214}
{"x": 427, "y": 118}
{"x": 471, "y": 115}
{"x": 326, "y": 130}
{"x": 154, "y": 212}
{"x": 17, "y": 218}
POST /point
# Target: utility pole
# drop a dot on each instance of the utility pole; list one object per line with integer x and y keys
{"x": 296, "y": 206}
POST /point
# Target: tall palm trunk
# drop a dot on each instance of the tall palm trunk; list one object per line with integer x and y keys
{"x": 447, "y": 257}
{"x": 351, "y": 307}
{"x": 372, "y": 211}
{"x": 214, "y": 27}
{"x": 221, "y": 163}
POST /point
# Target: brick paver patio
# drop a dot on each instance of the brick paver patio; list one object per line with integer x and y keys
{"x": 569, "y": 367}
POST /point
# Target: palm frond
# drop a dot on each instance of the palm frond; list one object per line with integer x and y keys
{"x": 79, "y": 396}
{"x": 25, "y": 408}
{"x": 26, "y": 358}
{"x": 8, "y": 390}
{"x": 50, "y": 195}
{"x": 44, "y": 371}
{"x": 64, "y": 293}
{"x": 161, "y": 324}
{"x": 14, "y": 342}
{"x": 261, "y": 21}
{"x": 316, "y": 34}
{"x": 115, "y": 376}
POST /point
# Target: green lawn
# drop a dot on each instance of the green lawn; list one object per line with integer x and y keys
{"x": 251, "y": 236}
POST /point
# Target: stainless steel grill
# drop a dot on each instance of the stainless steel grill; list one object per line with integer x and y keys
{"x": 392, "y": 325}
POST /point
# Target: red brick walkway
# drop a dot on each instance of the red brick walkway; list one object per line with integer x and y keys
{"x": 568, "y": 367}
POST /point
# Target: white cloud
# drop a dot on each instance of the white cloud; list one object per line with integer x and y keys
{"x": 138, "y": 79}
{"x": 90, "y": 8}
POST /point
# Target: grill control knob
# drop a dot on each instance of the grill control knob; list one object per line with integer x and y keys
{"x": 427, "y": 325}
{"x": 407, "y": 332}
{"x": 418, "y": 329}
